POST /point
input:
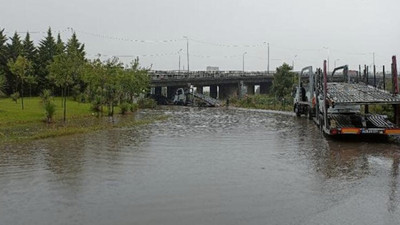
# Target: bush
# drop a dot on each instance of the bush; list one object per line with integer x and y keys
{"x": 147, "y": 103}
{"x": 96, "y": 106}
{"x": 125, "y": 107}
{"x": 15, "y": 97}
{"x": 134, "y": 107}
{"x": 50, "y": 109}
{"x": 45, "y": 95}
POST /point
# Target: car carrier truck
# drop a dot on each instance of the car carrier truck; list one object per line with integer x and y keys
{"x": 340, "y": 106}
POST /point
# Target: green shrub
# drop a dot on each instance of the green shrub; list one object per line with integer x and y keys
{"x": 134, "y": 107}
{"x": 50, "y": 109}
{"x": 147, "y": 103}
{"x": 45, "y": 95}
{"x": 96, "y": 106}
{"x": 124, "y": 107}
{"x": 15, "y": 97}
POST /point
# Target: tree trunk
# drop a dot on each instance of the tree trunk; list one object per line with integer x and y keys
{"x": 62, "y": 97}
{"x": 22, "y": 94}
{"x": 65, "y": 105}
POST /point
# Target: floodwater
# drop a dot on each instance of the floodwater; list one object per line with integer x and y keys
{"x": 202, "y": 166}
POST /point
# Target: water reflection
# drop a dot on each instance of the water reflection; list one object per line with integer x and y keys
{"x": 393, "y": 196}
{"x": 217, "y": 166}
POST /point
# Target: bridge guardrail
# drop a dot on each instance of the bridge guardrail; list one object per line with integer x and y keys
{"x": 161, "y": 75}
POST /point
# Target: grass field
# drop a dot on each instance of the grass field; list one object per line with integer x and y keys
{"x": 263, "y": 102}
{"x": 12, "y": 113}
{"x": 28, "y": 124}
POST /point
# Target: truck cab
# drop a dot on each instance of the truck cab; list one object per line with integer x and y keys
{"x": 304, "y": 93}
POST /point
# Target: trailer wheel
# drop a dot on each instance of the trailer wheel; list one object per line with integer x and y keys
{"x": 310, "y": 114}
{"x": 296, "y": 110}
{"x": 321, "y": 122}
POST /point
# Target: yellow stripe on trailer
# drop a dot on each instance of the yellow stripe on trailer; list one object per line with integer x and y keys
{"x": 392, "y": 131}
{"x": 350, "y": 131}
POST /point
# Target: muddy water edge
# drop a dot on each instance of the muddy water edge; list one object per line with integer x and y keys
{"x": 202, "y": 166}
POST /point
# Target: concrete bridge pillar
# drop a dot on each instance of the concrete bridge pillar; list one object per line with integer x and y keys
{"x": 158, "y": 91}
{"x": 250, "y": 89}
{"x": 213, "y": 91}
{"x": 171, "y": 92}
{"x": 228, "y": 91}
{"x": 199, "y": 89}
{"x": 265, "y": 88}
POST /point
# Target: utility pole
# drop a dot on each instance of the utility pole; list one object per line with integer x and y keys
{"x": 327, "y": 48}
{"x": 243, "y": 60}
{"x": 294, "y": 58}
{"x": 373, "y": 58}
{"x": 179, "y": 65}
{"x": 187, "y": 51}
{"x": 268, "y": 59}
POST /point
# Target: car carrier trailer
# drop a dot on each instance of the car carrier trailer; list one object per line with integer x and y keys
{"x": 340, "y": 106}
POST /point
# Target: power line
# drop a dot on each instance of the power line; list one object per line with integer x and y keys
{"x": 124, "y": 39}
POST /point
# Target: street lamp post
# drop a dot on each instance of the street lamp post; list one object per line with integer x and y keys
{"x": 179, "y": 65}
{"x": 187, "y": 51}
{"x": 267, "y": 57}
{"x": 334, "y": 63}
{"x": 294, "y": 58}
{"x": 327, "y": 49}
{"x": 243, "y": 60}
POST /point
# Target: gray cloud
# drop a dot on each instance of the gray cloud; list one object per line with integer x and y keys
{"x": 296, "y": 30}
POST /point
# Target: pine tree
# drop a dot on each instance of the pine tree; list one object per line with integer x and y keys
{"x": 29, "y": 51}
{"x": 60, "y": 46}
{"x": 47, "y": 50}
{"x": 3, "y": 50}
{"x": 3, "y": 58}
{"x": 13, "y": 50}
{"x": 76, "y": 50}
{"x": 28, "y": 48}
{"x": 75, "y": 46}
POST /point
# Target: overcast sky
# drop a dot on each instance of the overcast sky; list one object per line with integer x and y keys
{"x": 303, "y": 32}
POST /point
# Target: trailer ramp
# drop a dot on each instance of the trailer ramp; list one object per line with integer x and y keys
{"x": 207, "y": 99}
{"x": 347, "y": 93}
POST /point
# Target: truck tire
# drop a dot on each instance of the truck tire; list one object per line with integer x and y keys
{"x": 310, "y": 113}
{"x": 296, "y": 110}
{"x": 321, "y": 124}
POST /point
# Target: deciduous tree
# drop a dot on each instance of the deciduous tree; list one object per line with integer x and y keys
{"x": 22, "y": 69}
{"x": 283, "y": 81}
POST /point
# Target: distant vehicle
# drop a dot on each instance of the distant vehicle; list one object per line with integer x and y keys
{"x": 186, "y": 97}
{"x": 182, "y": 97}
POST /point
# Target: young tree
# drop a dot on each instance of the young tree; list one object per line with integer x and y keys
{"x": 63, "y": 71}
{"x": 22, "y": 69}
{"x": 134, "y": 81}
{"x": 283, "y": 81}
{"x": 95, "y": 77}
{"x": 112, "y": 85}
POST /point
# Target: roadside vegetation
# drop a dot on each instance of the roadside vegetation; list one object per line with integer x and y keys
{"x": 280, "y": 97}
{"x": 32, "y": 123}
{"x": 53, "y": 89}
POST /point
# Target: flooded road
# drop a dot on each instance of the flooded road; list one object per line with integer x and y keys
{"x": 202, "y": 166}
